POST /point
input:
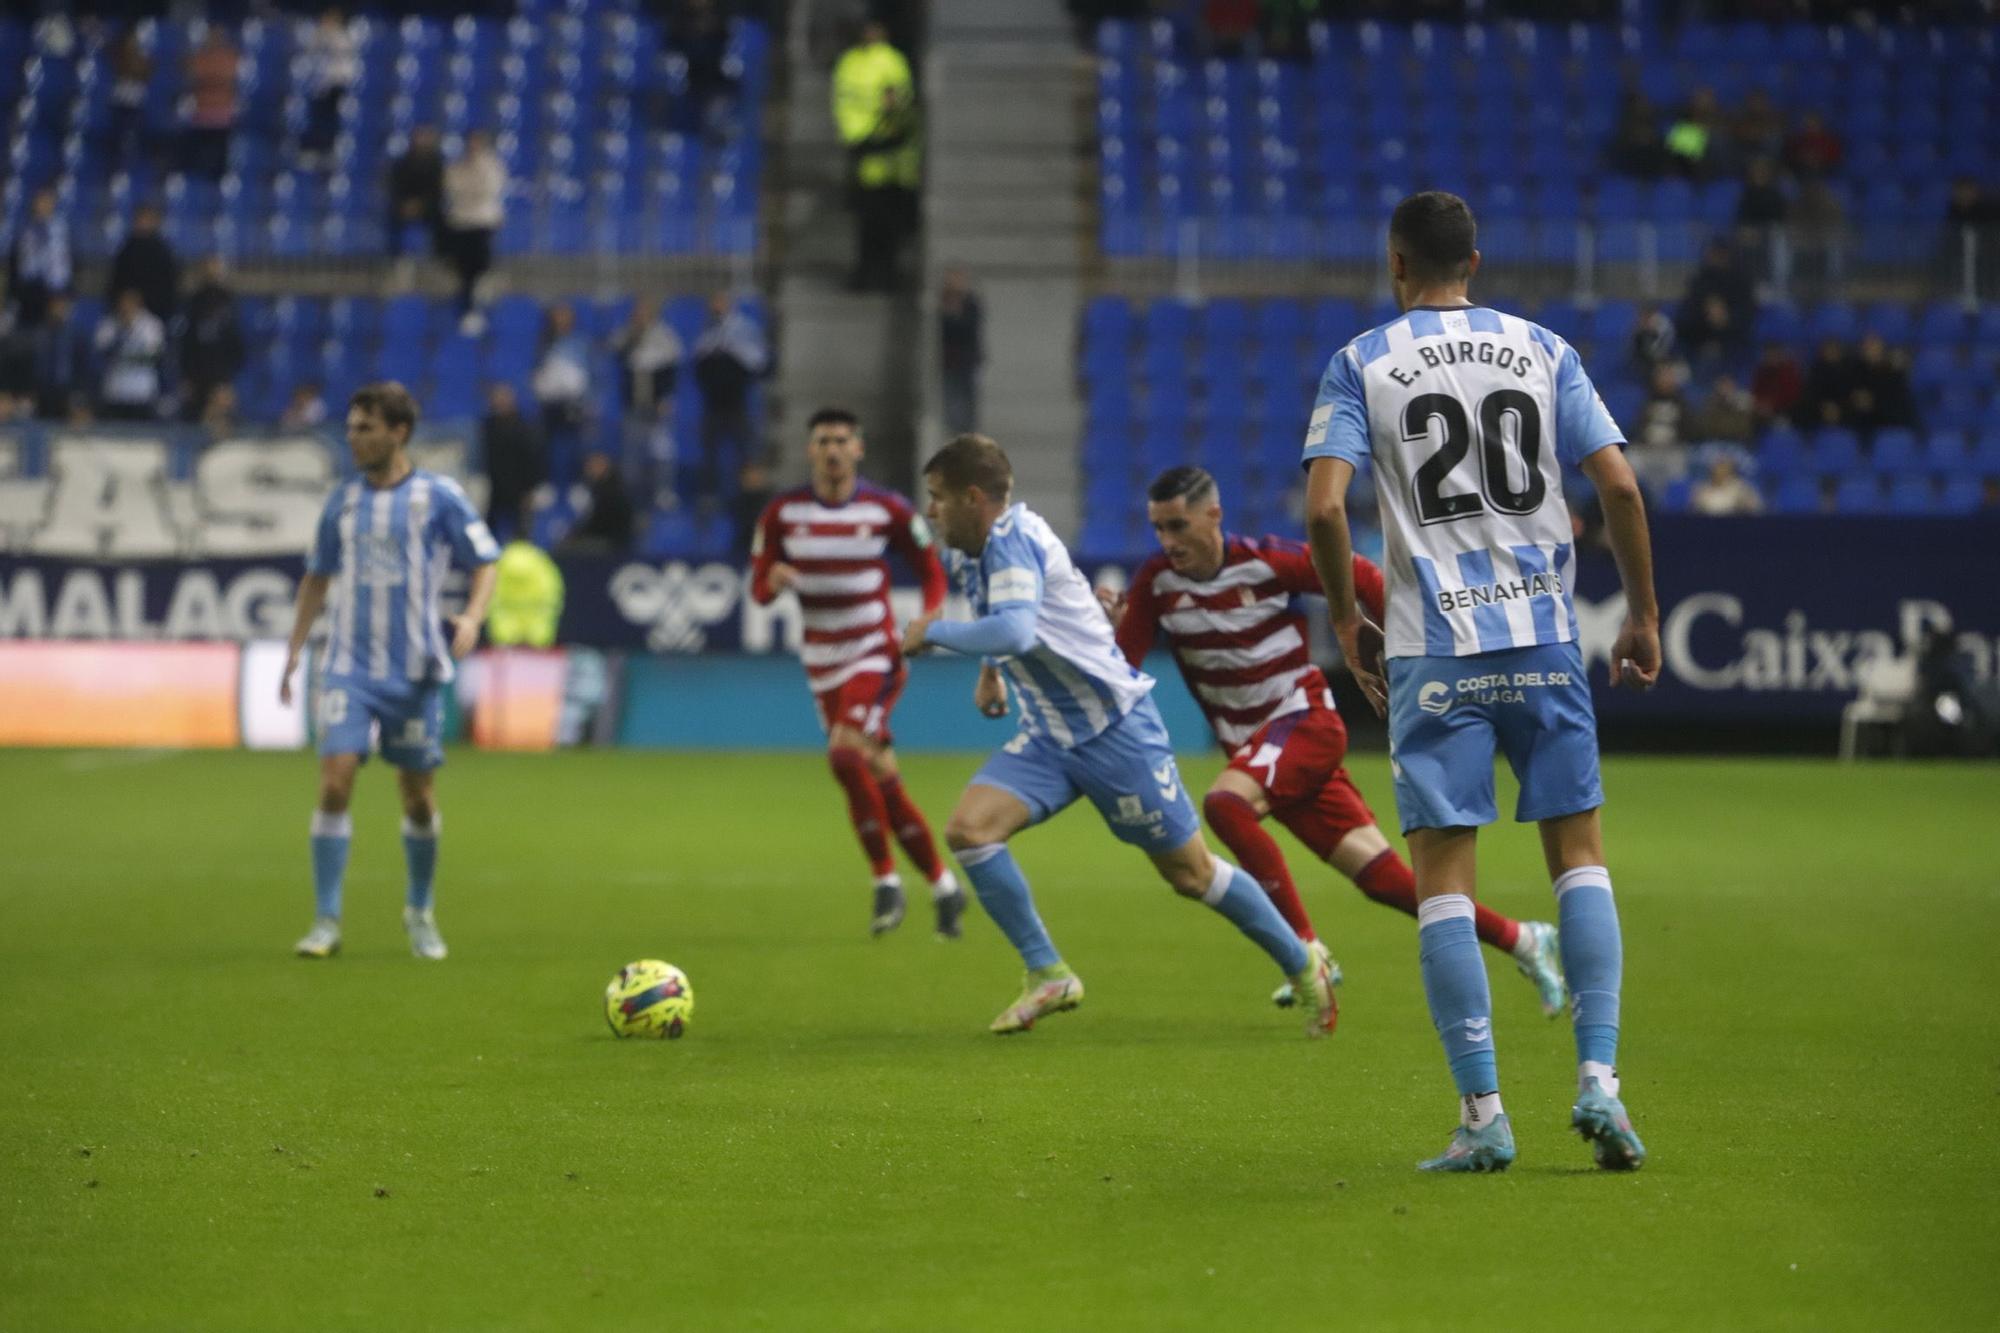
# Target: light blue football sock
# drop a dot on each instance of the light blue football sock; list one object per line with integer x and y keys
{"x": 331, "y": 835}
{"x": 1593, "y": 960}
{"x": 420, "y": 854}
{"x": 1250, "y": 910}
{"x": 1455, "y": 986}
{"x": 1003, "y": 892}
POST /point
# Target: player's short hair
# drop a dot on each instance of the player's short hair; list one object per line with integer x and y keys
{"x": 1436, "y": 234}
{"x": 833, "y": 415}
{"x": 389, "y": 400}
{"x": 1190, "y": 483}
{"x": 973, "y": 460}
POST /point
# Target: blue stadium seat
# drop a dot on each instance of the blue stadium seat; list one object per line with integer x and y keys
{"x": 1781, "y": 454}
{"x": 1946, "y": 454}
{"x": 1912, "y": 495}
{"x": 1859, "y": 494}
{"x": 1796, "y": 495}
{"x": 1835, "y": 451}
{"x": 1895, "y": 451}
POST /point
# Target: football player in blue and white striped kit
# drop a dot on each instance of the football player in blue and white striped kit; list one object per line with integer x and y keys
{"x": 1469, "y": 415}
{"x": 383, "y": 547}
{"x": 1089, "y": 727}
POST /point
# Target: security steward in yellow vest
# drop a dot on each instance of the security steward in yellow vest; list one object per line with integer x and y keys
{"x": 875, "y": 109}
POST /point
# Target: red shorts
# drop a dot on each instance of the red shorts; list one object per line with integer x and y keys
{"x": 863, "y": 702}
{"x": 1296, "y": 760}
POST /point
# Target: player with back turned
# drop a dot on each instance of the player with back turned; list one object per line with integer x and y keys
{"x": 384, "y": 544}
{"x": 1469, "y": 415}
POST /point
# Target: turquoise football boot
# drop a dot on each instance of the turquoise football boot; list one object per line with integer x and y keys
{"x": 1601, "y": 1119}
{"x": 1488, "y": 1148}
{"x": 1539, "y": 956}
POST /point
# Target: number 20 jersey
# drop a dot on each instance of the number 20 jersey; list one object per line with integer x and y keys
{"x": 1469, "y": 415}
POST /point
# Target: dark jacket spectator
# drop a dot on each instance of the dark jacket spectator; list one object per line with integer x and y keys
{"x": 212, "y": 348}
{"x": 416, "y": 190}
{"x": 1970, "y": 206}
{"x": 1829, "y": 383}
{"x": 146, "y": 264}
{"x": 1636, "y": 146}
{"x": 1814, "y": 151}
{"x": 212, "y": 73}
{"x": 1710, "y": 335}
{"x": 39, "y": 262}
{"x": 1721, "y": 274}
{"x": 131, "y": 349}
{"x": 962, "y": 338}
{"x": 1777, "y": 384}
{"x": 515, "y": 462}
{"x": 62, "y": 356}
{"x": 1879, "y": 394}
{"x": 131, "y": 74}
{"x": 1763, "y": 202}
{"x": 1652, "y": 339}
{"x": 729, "y": 358}
{"x": 606, "y": 523}
{"x": 1757, "y": 129}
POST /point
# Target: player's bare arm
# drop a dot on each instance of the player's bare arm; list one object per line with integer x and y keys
{"x": 781, "y": 577}
{"x": 1636, "y": 654}
{"x": 1113, "y": 602}
{"x": 465, "y": 625}
{"x": 989, "y": 696}
{"x": 1327, "y": 481}
{"x": 312, "y": 597}
{"x": 914, "y": 642}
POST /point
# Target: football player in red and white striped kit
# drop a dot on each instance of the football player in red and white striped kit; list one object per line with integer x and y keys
{"x": 1227, "y": 604}
{"x": 827, "y": 542}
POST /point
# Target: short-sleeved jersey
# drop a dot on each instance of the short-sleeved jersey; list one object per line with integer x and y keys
{"x": 1469, "y": 415}
{"x": 1239, "y": 637}
{"x": 387, "y": 551}
{"x": 1073, "y": 684}
{"x": 840, "y": 554}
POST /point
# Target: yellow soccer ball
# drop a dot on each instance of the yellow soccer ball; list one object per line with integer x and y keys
{"x": 649, "y": 998}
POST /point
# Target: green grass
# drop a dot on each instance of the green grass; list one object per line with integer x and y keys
{"x": 198, "y": 1131}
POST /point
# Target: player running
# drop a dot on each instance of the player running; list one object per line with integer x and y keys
{"x": 1469, "y": 414}
{"x": 1089, "y": 727}
{"x": 826, "y": 542}
{"x": 384, "y": 543}
{"x": 1227, "y": 604}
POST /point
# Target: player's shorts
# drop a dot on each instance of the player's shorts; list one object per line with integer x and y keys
{"x": 1446, "y": 715}
{"x": 1128, "y": 772}
{"x": 408, "y": 719}
{"x": 1297, "y": 759}
{"x": 863, "y": 702}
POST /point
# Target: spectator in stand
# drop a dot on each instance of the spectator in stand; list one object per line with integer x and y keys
{"x": 131, "y": 74}
{"x": 1636, "y": 147}
{"x": 1693, "y": 147}
{"x": 61, "y": 353}
{"x": 475, "y": 207}
{"x": 1757, "y": 130}
{"x": 1814, "y": 152}
{"x": 1829, "y": 385}
{"x": 147, "y": 264}
{"x": 648, "y": 354}
{"x": 754, "y": 489}
{"x": 1971, "y": 206}
{"x": 1724, "y": 490}
{"x": 699, "y": 33}
{"x": 1879, "y": 395}
{"x": 212, "y": 73}
{"x": 1727, "y": 413}
{"x": 874, "y": 108}
{"x": 605, "y": 510}
{"x": 213, "y": 351}
{"x": 516, "y": 465}
{"x": 38, "y": 266}
{"x": 1653, "y": 340}
{"x": 219, "y": 417}
{"x": 729, "y": 357}
{"x": 1817, "y": 219}
{"x": 333, "y": 67}
{"x": 416, "y": 193}
{"x": 1777, "y": 384}
{"x": 1664, "y": 415}
{"x": 1763, "y": 203}
{"x": 962, "y": 337}
{"x": 305, "y": 410}
{"x": 562, "y": 384}
{"x": 1711, "y": 336}
{"x": 1722, "y": 274}
{"x": 1229, "y": 25}
{"x": 131, "y": 350}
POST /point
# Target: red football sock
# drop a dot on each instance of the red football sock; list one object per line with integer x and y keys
{"x": 864, "y": 806}
{"x": 1389, "y": 881}
{"x": 912, "y": 830}
{"x": 1235, "y": 822}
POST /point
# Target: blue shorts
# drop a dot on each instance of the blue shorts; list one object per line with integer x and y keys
{"x": 407, "y": 717}
{"x": 1447, "y": 713}
{"x": 1128, "y": 772}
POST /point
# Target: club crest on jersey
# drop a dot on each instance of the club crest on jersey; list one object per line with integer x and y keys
{"x": 1434, "y": 698}
{"x": 920, "y": 532}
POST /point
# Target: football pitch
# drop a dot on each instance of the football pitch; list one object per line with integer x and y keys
{"x": 200, "y": 1131}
